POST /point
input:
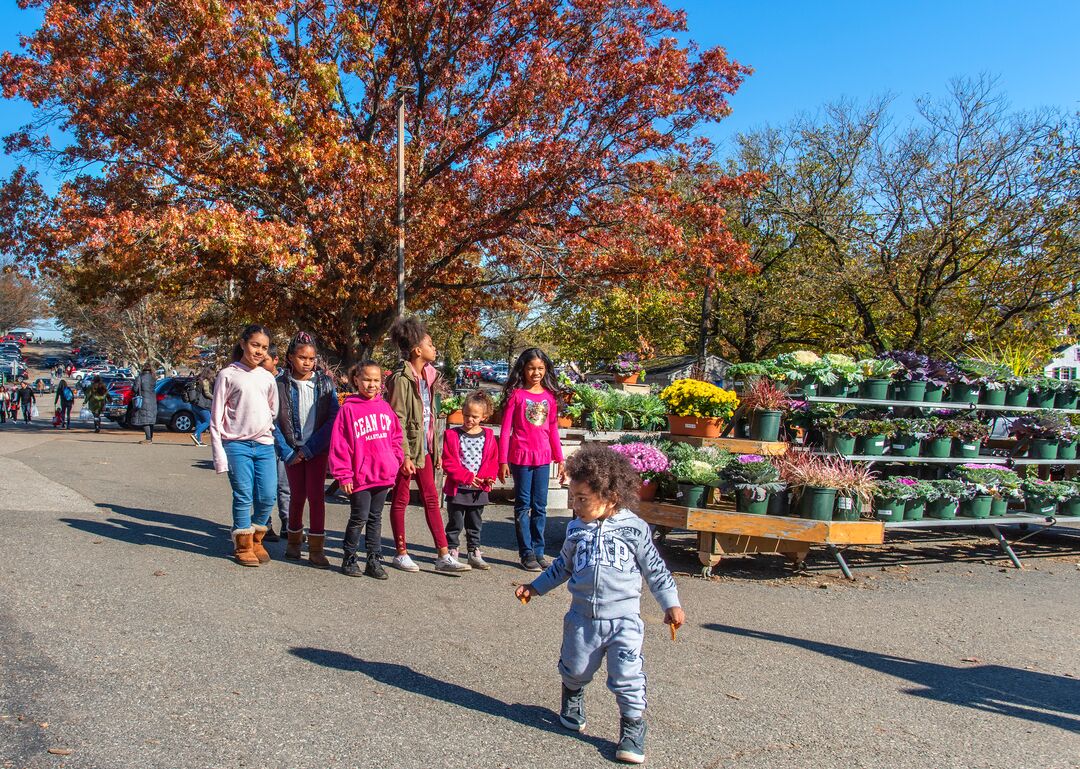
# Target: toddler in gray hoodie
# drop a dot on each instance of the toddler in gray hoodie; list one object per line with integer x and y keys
{"x": 607, "y": 551}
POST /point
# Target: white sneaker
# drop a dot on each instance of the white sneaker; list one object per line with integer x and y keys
{"x": 476, "y": 560}
{"x": 404, "y": 562}
{"x": 449, "y": 564}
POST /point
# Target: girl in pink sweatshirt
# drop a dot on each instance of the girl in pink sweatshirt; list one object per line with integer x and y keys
{"x": 365, "y": 456}
{"x": 528, "y": 444}
{"x": 242, "y": 414}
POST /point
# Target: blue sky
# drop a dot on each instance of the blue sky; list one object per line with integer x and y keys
{"x": 806, "y": 54}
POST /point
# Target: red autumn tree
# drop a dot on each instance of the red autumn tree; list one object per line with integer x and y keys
{"x": 245, "y": 150}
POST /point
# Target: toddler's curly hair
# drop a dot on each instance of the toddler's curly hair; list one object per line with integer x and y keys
{"x": 608, "y": 473}
{"x": 481, "y": 399}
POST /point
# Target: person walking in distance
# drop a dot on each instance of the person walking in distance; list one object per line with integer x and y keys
{"x": 64, "y": 400}
{"x": 95, "y": 401}
{"x": 144, "y": 402}
{"x": 306, "y": 409}
{"x": 242, "y": 417}
{"x": 26, "y": 401}
{"x": 199, "y": 392}
{"x": 272, "y": 363}
{"x": 411, "y": 392}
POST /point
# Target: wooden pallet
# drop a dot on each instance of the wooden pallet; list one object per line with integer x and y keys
{"x": 735, "y": 445}
{"x": 722, "y": 531}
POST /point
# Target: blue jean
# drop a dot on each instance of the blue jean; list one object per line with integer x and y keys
{"x": 253, "y": 476}
{"x": 202, "y": 421}
{"x": 530, "y": 507}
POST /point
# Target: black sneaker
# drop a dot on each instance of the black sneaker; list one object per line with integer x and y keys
{"x": 543, "y": 561}
{"x": 631, "y": 747}
{"x": 528, "y": 563}
{"x": 375, "y": 568}
{"x": 351, "y": 567}
{"x": 572, "y": 713}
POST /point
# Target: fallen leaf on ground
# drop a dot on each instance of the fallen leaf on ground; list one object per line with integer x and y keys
{"x": 159, "y": 573}
{"x": 44, "y": 724}
{"x": 970, "y": 659}
{"x": 733, "y": 696}
{"x": 61, "y": 751}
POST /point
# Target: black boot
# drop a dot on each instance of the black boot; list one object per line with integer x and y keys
{"x": 350, "y": 567}
{"x": 374, "y": 567}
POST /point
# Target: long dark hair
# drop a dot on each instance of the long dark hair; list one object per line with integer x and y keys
{"x": 517, "y": 374}
{"x": 248, "y": 332}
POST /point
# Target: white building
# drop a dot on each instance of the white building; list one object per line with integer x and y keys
{"x": 1066, "y": 363}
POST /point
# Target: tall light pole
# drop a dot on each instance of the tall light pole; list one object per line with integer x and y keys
{"x": 401, "y": 93}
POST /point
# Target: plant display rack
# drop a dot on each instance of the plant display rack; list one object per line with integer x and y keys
{"x": 722, "y": 531}
{"x": 735, "y": 445}
{"x": 951, "y": 405}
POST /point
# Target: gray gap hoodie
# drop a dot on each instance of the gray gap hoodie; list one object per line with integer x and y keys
{"x": 605, "y": 561}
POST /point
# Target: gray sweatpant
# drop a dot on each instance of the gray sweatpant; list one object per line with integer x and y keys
{"x": 282, "y": 497}
{"x": 585, "y": 644}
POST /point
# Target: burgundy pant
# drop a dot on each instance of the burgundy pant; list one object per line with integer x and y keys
{"x": 307, "y": 480}
{"x": 425, "y": 480}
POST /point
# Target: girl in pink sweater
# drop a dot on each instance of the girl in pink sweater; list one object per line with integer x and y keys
{"x": 242, "y": 415}
{"x": 528, "y": 444}
{"x": 365, "y": 456}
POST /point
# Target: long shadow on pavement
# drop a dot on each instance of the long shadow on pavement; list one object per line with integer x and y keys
{"x": 155, "y": 527}
{"x": 1023, "y": 694}
{"x": 409, "y": 680}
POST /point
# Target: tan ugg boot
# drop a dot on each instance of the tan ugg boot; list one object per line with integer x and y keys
{"x": 257, "y": 543}
{"x": 315, "y": 551}
{"x": 292, "y": 550}
{"x": 243, "y": 552}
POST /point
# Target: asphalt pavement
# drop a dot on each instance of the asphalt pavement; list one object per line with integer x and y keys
{"x": 128, "y": 638}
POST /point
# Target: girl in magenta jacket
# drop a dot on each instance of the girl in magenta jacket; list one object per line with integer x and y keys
{"x": 365, "y": 457}
{"x": 528, "y": 444}
{"x": 470, "y": 460}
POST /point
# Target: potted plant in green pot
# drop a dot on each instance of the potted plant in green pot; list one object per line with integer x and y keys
{"x": 1069, "y": 436}
{"x": 1068, "y": 396}
{"x": 855, "y": 491}
{"x": 839, "y": 433}
{"x": 766, "y": 403}
{"x": 1041, "y": 430}
{"x": 803, "y": 370}
{"x": 938, "y": 443}
{"x": 892, "y": 496}
{"x": 1042, "y": 497}
{"x": 845, "y": 376}
{"x": 872, "y": 436}
{"x": 978, "y": 381}
{"x": 697, "y": 408}
{"x": 967, "y": 436}
{"x": 1069, "y": 507}
{"x": 910, "y": 433}
{"x": 876, "y": 378}
{"x": 910, "y": 378}
{"x": 694, "y": 478}
{"x": 997, "y": 482}
{"x": 940, "y": 374}
{"x": 755, "y": 479}
{"x": 921, "y": 494}
{"x": 1042, "y": 391}
{"x": 945, "y": 498}
{"x": 649, "y": 462}
{"x": 813, "y": 480}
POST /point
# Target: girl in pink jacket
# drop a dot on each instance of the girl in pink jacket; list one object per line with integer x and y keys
{"x": 470, "y": 460}
{"x": 365, "y": 457}
{"x": 528, "y": 444}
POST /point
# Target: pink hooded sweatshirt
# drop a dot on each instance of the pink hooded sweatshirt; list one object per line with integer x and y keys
{"x": 365, "y": 444}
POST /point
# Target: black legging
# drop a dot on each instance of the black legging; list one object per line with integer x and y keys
{"x": 148, "y": 431}
{"x": 65, "y": 413}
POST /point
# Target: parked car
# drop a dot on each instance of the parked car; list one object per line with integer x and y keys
{"x": 172, "y": 410}
{"x": 118, "y": 402}
{"x": 43, "y": 385}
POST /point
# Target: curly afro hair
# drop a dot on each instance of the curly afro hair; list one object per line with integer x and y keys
{"x": 608, "y": 473}
{"x": 407, "y": 333}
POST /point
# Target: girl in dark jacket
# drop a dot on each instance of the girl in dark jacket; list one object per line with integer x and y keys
{"x": 307, "y": 407}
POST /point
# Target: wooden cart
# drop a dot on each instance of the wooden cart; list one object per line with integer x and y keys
{"x": 722, "y": 531}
